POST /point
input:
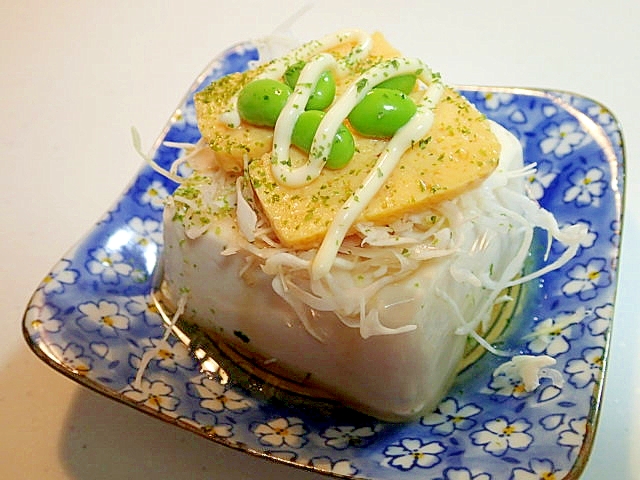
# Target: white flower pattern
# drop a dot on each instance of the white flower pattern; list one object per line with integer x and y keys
{"x": 347, "y": 436}
{"x": 283, "y": 431}
{"x": 168, "y": 356}
{"x": 573, "y": 436}
{"x": 587, "y": 187}
{"x": 586, "y": 370}
{"x": 585, "y": 280}
{"x": 154, "y": 195}
{"x": 103, "y": 317}
{"x": 156, "y": 395}
{"x": 108, "y": 265}
{"x": 210, "y": 425}
{"x": 539, "y": 469}
{"x": 562, "y": 139}
{"x": 449, "y": 417}
{"x": 601, "y": 114}
{"x": 493, "y": 101}
{"x": 73, "y": 356}
{"x": 413, "y": 452}
{"x": 600, "y": 324}
{"x": 217, "y": 397}
{"x": 140, "y": 305}
{"x": 146, "y": 231}
{"x": 60, "y": 275}
{"x": 553, "y": 335}
{"x": 508, "y": 384}
{"x": 501, "y": 434}
{"x": 43, "y": 318}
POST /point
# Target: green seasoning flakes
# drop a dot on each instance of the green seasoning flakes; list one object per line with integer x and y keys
{"x": 201, "y": 199}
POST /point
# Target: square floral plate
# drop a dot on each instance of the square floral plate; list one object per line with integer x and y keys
{"x": 93, "y": 317}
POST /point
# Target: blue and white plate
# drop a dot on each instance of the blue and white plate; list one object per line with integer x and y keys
{"x": 92, "y": 318}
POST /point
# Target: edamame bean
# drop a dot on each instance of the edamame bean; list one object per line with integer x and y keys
{"x": 382, "y": 112}
{"x": 261, "y": 101}
{"x": 292, "y": 73}
{"x": 342, "y": 148}
{"x": 324, "y": 91}
{"x": 404, "y": 83}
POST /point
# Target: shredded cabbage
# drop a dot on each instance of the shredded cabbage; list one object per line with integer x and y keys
{"x": 530, "y": 369}
{"x": 483, "y": 237}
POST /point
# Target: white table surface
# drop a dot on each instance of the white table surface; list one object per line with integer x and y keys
{"x": 76, "y": 75}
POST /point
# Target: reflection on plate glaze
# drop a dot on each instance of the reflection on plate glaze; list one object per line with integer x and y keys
{"x": 93, "y": 318}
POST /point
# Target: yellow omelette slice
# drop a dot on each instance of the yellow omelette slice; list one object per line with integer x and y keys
{"x": 457, "y": 153}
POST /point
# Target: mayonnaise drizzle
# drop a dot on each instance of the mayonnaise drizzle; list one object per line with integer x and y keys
{"x": 295, "y": 106}
{"x": 410, "y": 133}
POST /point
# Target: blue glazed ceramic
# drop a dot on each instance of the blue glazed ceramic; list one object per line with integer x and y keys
{"x": 93, "y": 318}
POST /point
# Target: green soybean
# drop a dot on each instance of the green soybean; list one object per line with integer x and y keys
{"x": 261, "y": 101}
{"x": 292, "y": 73}
{"x": 324, "y": 91}
{"x": 342, "y": 148}
{"x": 404, "y": 83}
{"x": 382, "y": 112}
